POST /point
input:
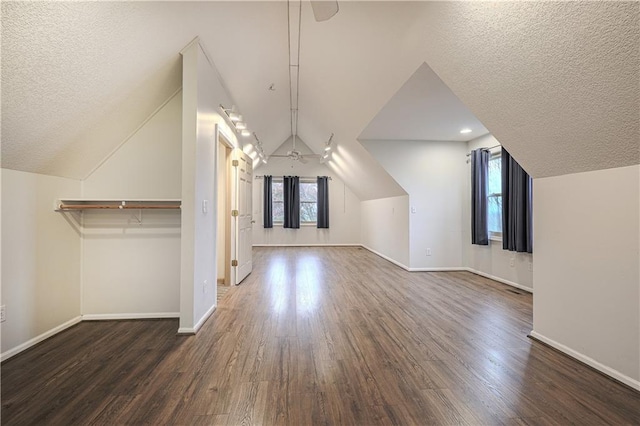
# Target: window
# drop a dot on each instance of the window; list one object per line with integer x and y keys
{"x": 308, "y": 201}
{"x": 494, "y": 201}
{"x": 277, "y": 194}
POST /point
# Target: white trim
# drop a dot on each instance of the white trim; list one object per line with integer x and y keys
{"x": 439, "y": 269}
{"x": 128, "y": 316}
{"x": 308, "y": 245}
{"x": 204, "y": 318}
{"x": 395, "y": 262}
{"x": 186, "y": 330}
{"x": 500, "y": 280}
{"x": 29, "y": 343}
{"x": 587, "y": 360}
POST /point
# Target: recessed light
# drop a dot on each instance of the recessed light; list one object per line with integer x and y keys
{"x": 240, "y": 125}
{"x": 245, "y": 133}
{"x": 464, "y": 131}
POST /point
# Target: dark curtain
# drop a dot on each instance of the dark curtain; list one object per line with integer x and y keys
{"x": 291, "y": 190}
{"x": 479, "y": 180}
{"x": 268, "y": 203}
{"x": 323, "y": 202}
{"x": 516, "y": 206}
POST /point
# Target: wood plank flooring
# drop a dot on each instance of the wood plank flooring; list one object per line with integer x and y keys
{"x": 321, "y": 336}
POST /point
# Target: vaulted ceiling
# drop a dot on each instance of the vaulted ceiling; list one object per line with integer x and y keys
{"x": 556, "y": 83}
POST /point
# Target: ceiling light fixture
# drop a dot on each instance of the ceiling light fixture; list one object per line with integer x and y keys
{"x": 328, "y": 145}
{"x": 245, "y": 133}
{"x": 258, "y": 147}
{"x": 234, "y": 116}
{"x": 240, "y": 125}
{"x": 465, "y": 131}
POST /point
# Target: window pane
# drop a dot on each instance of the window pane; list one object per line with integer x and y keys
{"x": 308, "y": 212}
{"x": 277, "y": 191}
{"x": 494, "y": 214}
{"x": 308, "y": 192}
{"x": 278, "y": 211}
{"x": 495, "y": 176}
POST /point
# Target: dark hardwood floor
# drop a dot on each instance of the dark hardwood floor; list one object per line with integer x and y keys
{"x": 319, "y": 336}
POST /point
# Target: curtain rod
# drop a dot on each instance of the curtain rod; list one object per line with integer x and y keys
{"x": 491, "y": 147}
{"x": 301, "y": 177}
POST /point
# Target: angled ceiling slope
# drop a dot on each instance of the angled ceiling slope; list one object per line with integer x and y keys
{"x": 555, "y": 82}
{"x": 79, "y": 77}
{"x": 424, "y": 109}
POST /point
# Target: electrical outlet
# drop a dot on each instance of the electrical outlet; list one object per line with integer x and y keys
{"x": 530, "y": 266}
{"x": 512, "y": 262}
{"x": 2, "y": 313}
{"x": 428, "y": 252}
{"x": 413, "y": 210}
{"x": 204, "y": 286}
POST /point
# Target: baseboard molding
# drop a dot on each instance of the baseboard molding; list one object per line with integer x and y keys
{"x": 307, "y": 245}
{"x": 439, "y": 269}
{"x": 26, "y": 345}
{"x": 387, "y": 258}
{"x": 129, "y": 316}
{"x": 500, "y": 280}
{"x": 204, "y": 318}
{"x": 615, "y": 374}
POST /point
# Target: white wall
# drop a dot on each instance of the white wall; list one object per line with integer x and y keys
{"x": 40, "y": 258}
{"x": 492, "y": 261}
{"x": 385, "y": 228}
{"x": 132, "y": 268}
{"x": 344, "y": 206}
{"x": 203, "y": 92}
{"x": 433, "y": 174}
{"x": 587, "y": 271}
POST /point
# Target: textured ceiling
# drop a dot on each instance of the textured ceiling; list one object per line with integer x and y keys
{"x": 424, "y": 109}
{"x": 556, "y": 82}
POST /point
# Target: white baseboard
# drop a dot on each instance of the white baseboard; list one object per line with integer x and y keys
{"x": 589, "y": 361}
{"x": 128, "y": 316}
{"x": 195, "y": 328}
{"x": 204, "y": 318}
{"x": 377, "y": 253}
{"x": 26, "y": 345}
{"x": 439, "y": 269}
{"x": 307, "y": 245}
{"x": 500, "y": 280}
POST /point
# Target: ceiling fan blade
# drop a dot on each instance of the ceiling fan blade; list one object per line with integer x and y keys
{"x": 302, "y": 160}
{"x": 324, "y": 10}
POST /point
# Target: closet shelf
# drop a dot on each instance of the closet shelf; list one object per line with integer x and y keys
{"x": 70, "y": 204}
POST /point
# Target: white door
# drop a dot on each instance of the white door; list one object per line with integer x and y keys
{"x": 244, "y": 193}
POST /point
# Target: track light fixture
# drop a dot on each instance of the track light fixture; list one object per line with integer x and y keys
{"x": 258, "y": 147}
{"x": 328, "y": 146}
{"x": 235, "y": 118}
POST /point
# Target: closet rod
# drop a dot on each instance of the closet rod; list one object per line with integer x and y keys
{"x": 115, "y": 206}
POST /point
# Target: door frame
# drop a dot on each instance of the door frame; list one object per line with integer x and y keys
{"x": 230, "y": 237}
